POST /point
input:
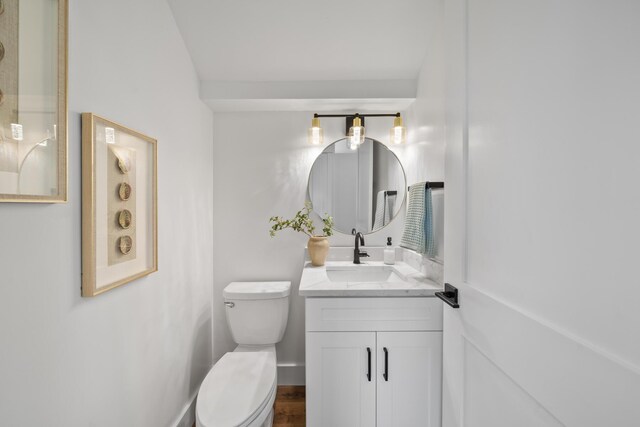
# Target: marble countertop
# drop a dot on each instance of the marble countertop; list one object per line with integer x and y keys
{"x": 405, "y": 281}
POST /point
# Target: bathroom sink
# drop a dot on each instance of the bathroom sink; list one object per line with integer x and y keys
{"x": 340, "y": 277}
{"x": 362, "y": 274}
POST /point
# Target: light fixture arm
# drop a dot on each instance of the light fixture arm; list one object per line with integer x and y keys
{"x": 356, "y": 115}
{"x": 350, "y": 117}
{"x": 357, "y": 130}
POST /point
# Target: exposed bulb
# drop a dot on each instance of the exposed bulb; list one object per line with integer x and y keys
{"x": 356, "y": 133}
{"x": 16, "y": 132}
{"x": 398, "y": 132}
{"x": 315, "y": 134}
{"x": 110, "y": 135}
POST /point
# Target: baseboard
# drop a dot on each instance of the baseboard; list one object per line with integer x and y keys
{"x": 187, "y": 417}
{"x": 291, "y": 374}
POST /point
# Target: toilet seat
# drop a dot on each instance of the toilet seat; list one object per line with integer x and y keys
{"x": 238, "y": 391}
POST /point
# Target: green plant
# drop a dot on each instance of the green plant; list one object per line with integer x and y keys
{"x": 302, "y": 223}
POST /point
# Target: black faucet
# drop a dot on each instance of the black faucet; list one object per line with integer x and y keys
{"x": 356, "y": 252}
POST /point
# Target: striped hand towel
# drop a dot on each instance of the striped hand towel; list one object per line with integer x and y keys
{"x": 381, "y": 202}
{"x": 389, "y": 208}
{"x": 418, "y": 224}
{"x": 385, "y": 206}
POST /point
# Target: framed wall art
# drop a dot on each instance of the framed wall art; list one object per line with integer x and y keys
{"x": 119, "y": 205}
{"x": 33, "y": 101}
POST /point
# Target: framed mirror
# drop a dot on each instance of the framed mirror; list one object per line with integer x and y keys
{"x": 33, "y": 101}
{"x": 362, "y": 188}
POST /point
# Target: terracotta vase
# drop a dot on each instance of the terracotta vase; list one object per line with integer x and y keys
{"x": 318, "y": 249}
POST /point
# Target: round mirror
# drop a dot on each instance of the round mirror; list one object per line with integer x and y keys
{"x": 363, "y": 189}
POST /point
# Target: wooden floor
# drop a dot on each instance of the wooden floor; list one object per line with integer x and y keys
{"x": 290, "y": 407}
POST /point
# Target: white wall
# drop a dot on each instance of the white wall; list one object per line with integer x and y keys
{"x": 424, "y": 154}
{"x": 135, "y": 355}
{"x": 262, "y": 162}
{"x": 261, "y": 165}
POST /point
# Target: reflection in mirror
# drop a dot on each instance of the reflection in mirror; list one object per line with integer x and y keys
{"x": 362, "y": 189}
{"x": 33, "y": 112}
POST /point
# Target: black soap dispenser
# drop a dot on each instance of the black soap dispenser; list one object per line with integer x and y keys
{"x": 389, "y": 253}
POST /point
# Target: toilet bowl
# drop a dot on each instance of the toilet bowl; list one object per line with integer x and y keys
{"x": 239, "y": 391}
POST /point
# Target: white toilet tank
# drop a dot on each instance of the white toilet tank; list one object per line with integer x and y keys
{"x": 257, "y": 312}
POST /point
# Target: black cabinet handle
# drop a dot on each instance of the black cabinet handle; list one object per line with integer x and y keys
{"x": 385, "y": 375}
{"x": 450, "y": 295}
{"x": 369, "y": 363}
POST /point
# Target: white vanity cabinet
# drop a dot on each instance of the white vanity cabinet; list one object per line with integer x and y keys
{"x": 373, "y": 361}
{"x": 341, "y": 385}
{"x": 409, "y": 393}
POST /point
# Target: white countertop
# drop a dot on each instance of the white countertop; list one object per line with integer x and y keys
{"x": 407, "y": 282}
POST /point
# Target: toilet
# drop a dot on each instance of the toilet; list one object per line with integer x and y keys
{"x": 239, "y": 391}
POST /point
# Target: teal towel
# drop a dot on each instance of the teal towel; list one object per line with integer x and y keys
{"x": 413, "y": 236}
{"x": 418, "y": 224}
{"x": 430, "y": 248}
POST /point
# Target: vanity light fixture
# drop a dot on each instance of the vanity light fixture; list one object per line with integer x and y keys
{"x": 356, "y": 133}
{"x": 316, "y": 135}
{"x": 355, "y": 129}
{"x": 398, "y": 133}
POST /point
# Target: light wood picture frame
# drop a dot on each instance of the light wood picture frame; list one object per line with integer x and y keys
{"x": 33, "y": 104}
{"x": 119, "y": 205}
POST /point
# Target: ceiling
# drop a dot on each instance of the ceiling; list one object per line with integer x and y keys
{"x": 297, "y": 40}
{"x": 291, "y": 54}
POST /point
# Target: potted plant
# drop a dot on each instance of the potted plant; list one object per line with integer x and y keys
{"x": 318, "y": 246}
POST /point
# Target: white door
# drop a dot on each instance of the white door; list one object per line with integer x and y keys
{"x": 542, "y": 213}
{"x": 409, "y": 376}
{"x": 340, "y": 387}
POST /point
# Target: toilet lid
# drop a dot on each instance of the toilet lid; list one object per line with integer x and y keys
{"x": 256, "y": 290}
{"x": 236, "y": 389}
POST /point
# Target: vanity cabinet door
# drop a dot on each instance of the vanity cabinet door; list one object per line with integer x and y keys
{"x": 341, "y": 379}
{"x": 409, "y": 379}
